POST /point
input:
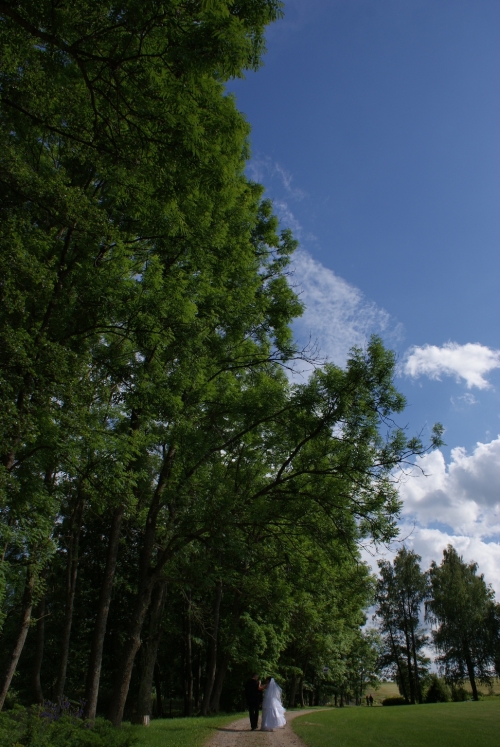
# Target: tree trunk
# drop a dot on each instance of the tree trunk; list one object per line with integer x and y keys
{"x": 212, "y": 652}
{"x": 130, "y": 649}
{"x": 151, "y": 651}
{"x": 398, "y": 664}
{"x": 147, "y": 579}
{"x": 27, "y": 605}
{"x": 197, "y": 683}
{"x": 219, "y": 683}
{"x": 188, "y": 664}
{"x": 71, "y": 576}
{"x": 159, "y": 703}
{"x": 301, "y": 692}
{"x": 221, "y": 670}
{"x": 36, "y": 686}
{"x": 470, "y": 672}
{"x": 293, "y": 690}
{"x": 96, "y": 649}
{"x": 418, "y": 689}
{"x": 409, "y": 658}
{"x": 410, "y": 672}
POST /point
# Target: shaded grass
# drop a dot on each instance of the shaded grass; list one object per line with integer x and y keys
{"x": 179, "y": 732}
{"x": 433, "y": 725}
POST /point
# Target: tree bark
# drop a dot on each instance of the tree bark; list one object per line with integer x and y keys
{"x": 409, "y": 657}
{"x": 71, "y": 576}
{"x": 36, "y": 685}
{"x": 418, "y": 689}
{"x": 147, "y": 579}
{"x": 159, "y": 702}
{"x": 301, "y": 692}
{"x": 398, "y": 664}
{"x": 293, "y": 690}
{"x": 197, "y": 683}
{"x": 212, "y": 651}
{"x": 470, "y": 671}
{"x": 151, "y": 650}
{"x": 96, "y": 649}
{"x": 220, "y": 676}
{"x": 410, "y": 671}
{"x": 188, "y": 663}
{"x": 130, "y": 649}
{"x": 26, "y": 607}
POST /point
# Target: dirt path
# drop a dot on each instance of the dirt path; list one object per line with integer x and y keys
{"x": 239, "y": 734}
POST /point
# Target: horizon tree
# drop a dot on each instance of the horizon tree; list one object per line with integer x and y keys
{"x": 401, "y": 590}
{"x": 463, "y": 607}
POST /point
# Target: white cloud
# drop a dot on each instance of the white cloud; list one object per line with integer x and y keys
{"x": 456, "y": 503}
{"x": 469, "y": 362}
{"x": 465, "y": 399}
{"x": 430, "y": 543}
{"x": 287, "y": 218}
{"x": 263, "y": 169}
{"x": 337, "y": 316}
{"x": 465, "y": 494}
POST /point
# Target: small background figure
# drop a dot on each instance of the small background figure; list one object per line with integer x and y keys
{"x": 371, "y": 699}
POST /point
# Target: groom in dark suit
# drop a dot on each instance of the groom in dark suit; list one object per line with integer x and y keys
{"x": 252, "y": 696}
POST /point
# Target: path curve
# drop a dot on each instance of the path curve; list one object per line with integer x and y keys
{"x": 239, "y": 734}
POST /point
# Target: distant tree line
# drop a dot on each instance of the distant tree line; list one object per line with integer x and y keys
{"x": 460, "y": 606}
{"x": 174, "y": 512}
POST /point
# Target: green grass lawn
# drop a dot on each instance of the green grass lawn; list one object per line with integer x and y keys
{"x": 435, "y": 725}
{"x": 179, "y": 732}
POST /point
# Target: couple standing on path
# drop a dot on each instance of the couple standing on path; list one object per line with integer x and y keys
{"x": 273, "y": 713}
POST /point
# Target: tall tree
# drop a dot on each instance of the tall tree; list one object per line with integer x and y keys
{"x": 144, "y": 322}
{"x": 463, "y": 607}
{"x": 132, "y": 183}
{"x": 401, "y": 589}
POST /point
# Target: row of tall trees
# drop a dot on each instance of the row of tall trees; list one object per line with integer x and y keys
{"x": 460, "y": 606}
{"x": 173, "y": 509}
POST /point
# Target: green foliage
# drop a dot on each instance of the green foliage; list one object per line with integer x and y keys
{"x": 464, "y": 608}
{"x": 437, "y": 690}
{"x": 394, "y": 701}
{"x": 144, "y": 326}
{"x": 30, "y": 729}
{"x": 459, "y": 694}
{"x": 401, "y": 589}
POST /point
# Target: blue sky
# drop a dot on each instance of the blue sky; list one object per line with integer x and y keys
{"x": 375, "y": 129}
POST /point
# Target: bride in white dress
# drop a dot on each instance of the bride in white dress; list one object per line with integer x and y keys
{"x": 273, "y": 713}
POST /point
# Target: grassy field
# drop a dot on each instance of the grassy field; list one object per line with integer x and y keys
{"x": 179, "y": 732}
{"x": 385, "y": 690}
{"x": 434, "y": 725}
{"x": 390, "y": 690}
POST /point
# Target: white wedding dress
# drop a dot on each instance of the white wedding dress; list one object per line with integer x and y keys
{"x": 273, "y": 713}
